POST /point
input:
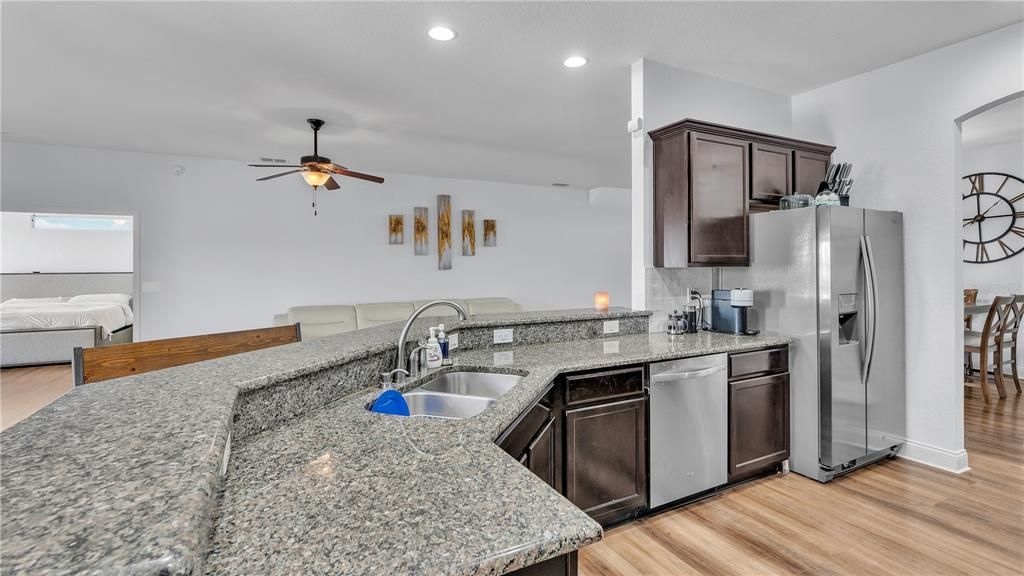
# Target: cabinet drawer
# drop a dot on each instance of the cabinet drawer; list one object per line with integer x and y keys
{"x": 758, "y": 363}
{"x": 581, "y": 388}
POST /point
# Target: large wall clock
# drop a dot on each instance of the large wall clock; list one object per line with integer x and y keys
{"x": 993, "y": 217}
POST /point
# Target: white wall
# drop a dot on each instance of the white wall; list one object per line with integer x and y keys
{"x": 26, "y": 249}
{"x": 661, "y": 95}
{"x": 897, "y": 126}
{"x": 229, "y": 252}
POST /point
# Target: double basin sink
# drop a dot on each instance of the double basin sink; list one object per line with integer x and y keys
{"x": 456, "y": 395}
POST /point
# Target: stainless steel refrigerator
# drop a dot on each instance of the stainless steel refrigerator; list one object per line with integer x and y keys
{"x": 831, "y": 277}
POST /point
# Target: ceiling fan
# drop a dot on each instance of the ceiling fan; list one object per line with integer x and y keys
{"x": 317, "y": 170}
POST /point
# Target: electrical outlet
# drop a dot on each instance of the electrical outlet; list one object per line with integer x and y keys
{"x": 453, "y": 341}
{"x": 503, "y": 336}
{"x": 503, "y": 358}
{"x": 150, "y": 286}
{"x": 611, "y": 326}
{"x": 611, "y": 347}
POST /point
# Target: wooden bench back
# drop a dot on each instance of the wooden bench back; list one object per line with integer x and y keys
{"x": 106, "y": 362}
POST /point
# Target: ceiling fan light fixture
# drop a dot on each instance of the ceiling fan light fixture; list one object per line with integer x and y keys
{"x": 314, "y": 178}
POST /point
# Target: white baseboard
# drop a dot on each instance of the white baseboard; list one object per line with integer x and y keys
{"x": 941, "y": 458}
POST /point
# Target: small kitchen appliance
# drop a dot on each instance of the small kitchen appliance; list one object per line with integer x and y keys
{"x": 729, "y": 310}
{"x": 684, "y": 322}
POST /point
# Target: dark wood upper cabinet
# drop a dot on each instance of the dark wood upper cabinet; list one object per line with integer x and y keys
{"x": 810, "y": 170}
{"x": 606, "y": 459}
{"x": 708, "y": 178}
{"x": 772, "y": 172}
{"x": 719, "y": 186}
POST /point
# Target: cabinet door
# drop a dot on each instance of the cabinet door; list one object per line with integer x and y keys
{"x": 771, "y": 172}
{"x": 535, "y": 440}
{"x": 719, "y": 186}
{"x": 671, "y": 207}
{"x": 758, "y": 424}
{"x": 606, "y": 459}
{"x": 542, "y": 455}
{"x": 810, "y": 171}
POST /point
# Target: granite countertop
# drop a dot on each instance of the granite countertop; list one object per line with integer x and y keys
{"x": 344, "y": 491}
{"x": 121, "y": 476}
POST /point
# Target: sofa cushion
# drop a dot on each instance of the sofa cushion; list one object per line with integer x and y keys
{"x": 492, "y": 305}
{"x": 319, "y": 321}
{"x": 368, "y": 315}
{"x": 441, "y": 310}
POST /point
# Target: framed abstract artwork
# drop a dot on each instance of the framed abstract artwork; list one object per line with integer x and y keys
{"x": 490, "y": 233}
{"x": 444, "y": 232}
{"x": 396, "y": 229}
{"x": 468, "y": 233}
{"x": 420, "y": 233}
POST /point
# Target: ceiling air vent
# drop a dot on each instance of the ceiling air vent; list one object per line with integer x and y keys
{"x": 560, "y": 184}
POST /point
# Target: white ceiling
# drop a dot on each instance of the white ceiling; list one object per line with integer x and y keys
{"x": 237, "y": 80}
{"x": 1001, "y": 124}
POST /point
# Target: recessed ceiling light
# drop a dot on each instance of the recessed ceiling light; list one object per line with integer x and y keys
{"x": 441, "y": 34}
{"x": 574, "y": 61}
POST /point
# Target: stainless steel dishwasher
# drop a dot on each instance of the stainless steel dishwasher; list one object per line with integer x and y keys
{"x": 689, "y": 427}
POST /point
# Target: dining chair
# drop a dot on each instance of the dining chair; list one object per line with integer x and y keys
{"x": 984, "y": 342}
{"x": 106, "y": 362}
{"x": 970, "y": 299}
{"x": 1011, "y": 318}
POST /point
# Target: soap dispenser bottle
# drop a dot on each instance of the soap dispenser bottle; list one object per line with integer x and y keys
{"x": 433, "y": 351}
{"x": 442, "y": 341}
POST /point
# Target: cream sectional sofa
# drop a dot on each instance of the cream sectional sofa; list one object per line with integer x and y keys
{"x": 319, "y": 321}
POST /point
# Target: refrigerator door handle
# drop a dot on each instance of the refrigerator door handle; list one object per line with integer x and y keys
{"x": 872, "y": 304}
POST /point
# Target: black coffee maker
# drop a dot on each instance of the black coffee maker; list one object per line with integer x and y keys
{"x": 729, "y": 310}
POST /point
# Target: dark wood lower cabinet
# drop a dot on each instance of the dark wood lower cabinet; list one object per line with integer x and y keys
{"x": 606, "y": 459}
{"x": 541, "y": 456}
{"x": 565, "y": 565}
{"x": 758, "y": 424}
{"x": 587, "y": 437}
{"x": 535, "y": 439}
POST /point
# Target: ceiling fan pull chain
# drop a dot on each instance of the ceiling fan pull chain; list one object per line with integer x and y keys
{"x": 314, "y": 201}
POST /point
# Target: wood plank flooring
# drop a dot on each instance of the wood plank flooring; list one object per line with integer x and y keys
{"x": 896, "y": 517}
{"x": 25, "y": 390}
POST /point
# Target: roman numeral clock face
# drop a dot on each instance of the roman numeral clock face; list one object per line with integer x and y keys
{"x": 993, "y": 217}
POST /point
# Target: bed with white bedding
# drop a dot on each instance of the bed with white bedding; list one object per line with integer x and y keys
{"x": 46, "y": 330}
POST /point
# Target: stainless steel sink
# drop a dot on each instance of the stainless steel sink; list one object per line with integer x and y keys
{"x": 483, "y": 384}
{"x": 441, "y": 405}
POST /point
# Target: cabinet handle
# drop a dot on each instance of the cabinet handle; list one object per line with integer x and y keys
{"x": 674, "y": 376}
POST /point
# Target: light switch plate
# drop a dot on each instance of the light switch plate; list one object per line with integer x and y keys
{"x": 150, "y": 286}
{"x": 453, "y": 341}
{"x": 503, "y": 358}
{"x": 611, "y": 347}
{"x": 503, "y": 336}
{"x": 611, "y": 326}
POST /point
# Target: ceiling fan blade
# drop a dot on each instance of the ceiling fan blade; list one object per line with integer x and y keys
{"x": 275, "y": 165}
{"x": 359, "y": 175}
{"x": 277, "y": 175}
{"x": 338, "y": 166}
{"x": 331, "y": 184}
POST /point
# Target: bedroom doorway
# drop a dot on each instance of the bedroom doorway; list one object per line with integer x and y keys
{"x": 66, "y": 280}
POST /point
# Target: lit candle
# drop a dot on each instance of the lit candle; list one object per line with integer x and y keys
{"x": 601, "y": 301}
